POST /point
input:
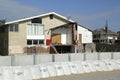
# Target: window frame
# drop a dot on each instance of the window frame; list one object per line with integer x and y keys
{"x": 14, "y": 27}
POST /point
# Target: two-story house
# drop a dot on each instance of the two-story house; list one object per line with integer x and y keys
{"x": 34, "y": 31}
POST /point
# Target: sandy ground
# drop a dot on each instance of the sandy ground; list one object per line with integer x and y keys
{"x": 108, "y": 75}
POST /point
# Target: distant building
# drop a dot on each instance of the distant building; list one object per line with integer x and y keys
{"x": 104, "y": 35}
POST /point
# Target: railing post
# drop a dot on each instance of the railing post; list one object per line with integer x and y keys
{"x": 84, "y": 56}
{"x": 69, "y": 57}
{"x": 12, "y": 60}
{"x": 34, "y": 59}
{"x": 53, "y": 58}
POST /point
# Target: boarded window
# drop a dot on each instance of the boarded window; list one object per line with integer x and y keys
{"x": 80, "y": 38}
{"x": 56, "y": 39}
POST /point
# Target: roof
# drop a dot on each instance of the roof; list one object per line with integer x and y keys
{"x": 103, "y": 31}
{"x": 42, "y": 15}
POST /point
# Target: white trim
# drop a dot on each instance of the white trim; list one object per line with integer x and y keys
{"x": 16, "y": 21}
{"x": 35, "y": 37}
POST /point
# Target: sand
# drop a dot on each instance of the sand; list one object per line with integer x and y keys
{"x": 108, "y": 75}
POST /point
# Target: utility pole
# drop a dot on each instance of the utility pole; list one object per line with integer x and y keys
{"x": 106, "y": 31}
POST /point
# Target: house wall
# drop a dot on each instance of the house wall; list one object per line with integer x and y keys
{"x": 52, "y": 23}
{"x": 3, "y": 40}
{"x": 86, "y": 34}
{"x": 66, "y": 34}
{"x": 17, "y": 40}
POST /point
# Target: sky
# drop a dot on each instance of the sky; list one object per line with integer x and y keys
{"x": 92, "y": 14}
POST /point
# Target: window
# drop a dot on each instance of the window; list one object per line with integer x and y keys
{"x": 2, "y": 30}
{"x": 29, "y": 42}
{"x": 41, "y": 41}
{"x": 36, "y": 20}
{"x": 51, "y": 16}
{"x": 13, "y": 27}
{"x": 35, "y": 42}
{"x": 35, "y": 29}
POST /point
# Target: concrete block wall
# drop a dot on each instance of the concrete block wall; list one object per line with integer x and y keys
{"x": 5, "y": 60}
{"x": 22, "y": 60}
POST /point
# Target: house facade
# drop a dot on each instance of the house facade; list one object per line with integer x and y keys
{"x": 33, "y": 31}
{"x": 104, "y": 36}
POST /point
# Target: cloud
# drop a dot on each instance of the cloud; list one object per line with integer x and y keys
{"x": 11, "y": 9}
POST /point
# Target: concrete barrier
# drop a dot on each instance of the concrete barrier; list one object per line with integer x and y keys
{"x": 27, "y": 73}
{"x": 52, "y": 70}
{"x": 98, "y": 66}
{"x": 91, "y": 66}
{"x": 7, "y": 73}
{"x": 92, "y": 56}
{"x": 73, "y": 68}
{"x": 5, "y": 60}
{"x": 44, "y": 71}
{"x": 104, "y": 56}
{"x": 35, "y": 71}
{"x": 104, "y": 66}
{"x": 61, "y": 57}
{"x": 23, "y": 60}
{"x": 1, "y": 74}
{"x": 18, "y": 73}
{"x": 43, "y": 58}
{"x": 66, "y": 68}
{"x": 59, "y": 68}
{"x": 116, "y": 55}
{"x": 77, "y": 57}
{"x": 79, "y": 67}
{"x": 85, "y": 67}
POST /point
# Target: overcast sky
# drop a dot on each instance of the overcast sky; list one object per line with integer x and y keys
{"x": 89, "y": 13}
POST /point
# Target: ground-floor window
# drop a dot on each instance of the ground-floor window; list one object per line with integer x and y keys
{"x": 35, "y": 42}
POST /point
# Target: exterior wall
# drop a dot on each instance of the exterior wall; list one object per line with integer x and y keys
{"x": 52, "y": 23}
{"x": 17, "y": 40}
{"x": 4, "y": 41}
{"x": 66, "y": 35}
{"x": 86, "y": 35}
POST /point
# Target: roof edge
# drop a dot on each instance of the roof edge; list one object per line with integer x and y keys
{"x": 19, "y": 20}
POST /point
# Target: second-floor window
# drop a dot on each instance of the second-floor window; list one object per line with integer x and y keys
{"x": 13, "y": 27}
{"x": 35, "y": 29}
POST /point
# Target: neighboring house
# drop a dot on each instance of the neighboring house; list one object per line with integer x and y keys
{"x": 70, "y": 38}
{"x": 35, "y": 31}
{"x": 104, "y": 36}
{"x": 118, "y": 40}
